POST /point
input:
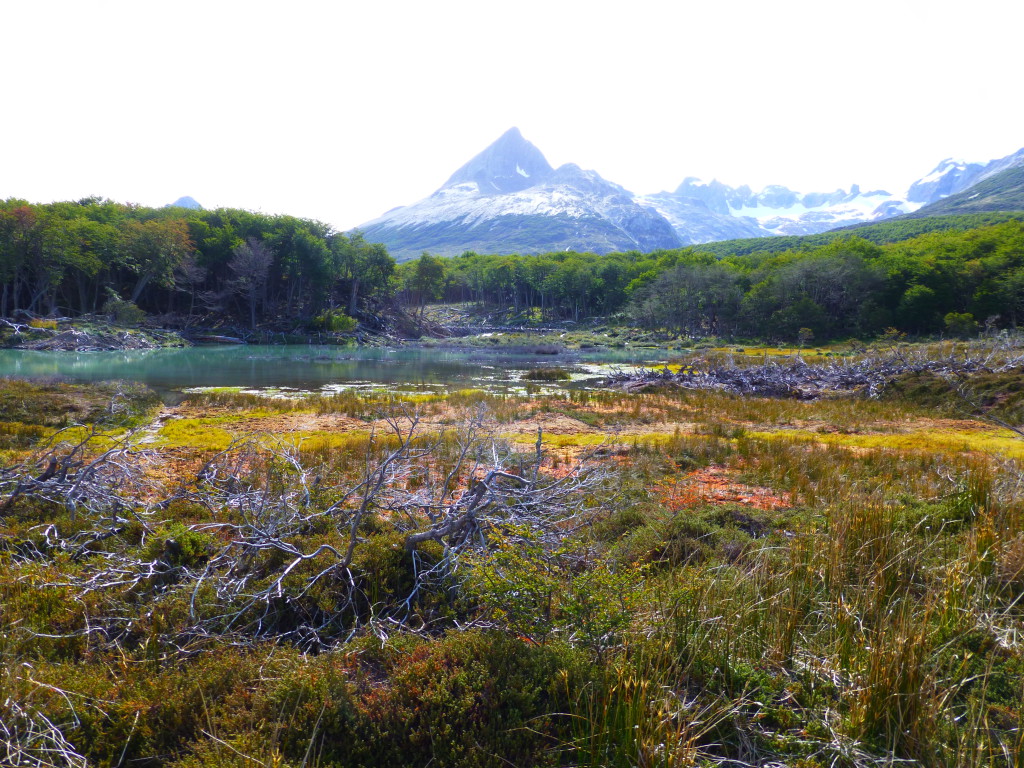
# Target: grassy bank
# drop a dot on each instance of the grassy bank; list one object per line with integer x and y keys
{"x": 662, "y": 578}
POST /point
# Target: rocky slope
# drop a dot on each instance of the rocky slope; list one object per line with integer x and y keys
{"x": 1002, "y": 191}
{"x": 508, "y": 199}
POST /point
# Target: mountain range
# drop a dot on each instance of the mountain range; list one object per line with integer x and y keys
{"x": 508, "y": 199}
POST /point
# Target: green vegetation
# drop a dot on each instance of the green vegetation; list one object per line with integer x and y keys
{"x": 335, "y": 320}
{"x": 181, "y": 264}
{"x": 547, "y": 374}
{"x": 884, "y": 232}
{"x": 953, "y": 274}
{"x": 927, "y": 276}
{"x": 665, "y": 578}
{"x": 33, "y": 409}
{"x": 584, "y": 578}
{"x": 1001, "y": 192}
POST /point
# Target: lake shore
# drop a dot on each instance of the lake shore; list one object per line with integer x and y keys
{"x": 547, "y": 569}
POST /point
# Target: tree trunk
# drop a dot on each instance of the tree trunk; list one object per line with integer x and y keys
{"x": 353, "y": 295}
{"x": 140, "y": 286}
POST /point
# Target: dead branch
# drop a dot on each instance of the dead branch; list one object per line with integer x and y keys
{"x": 79, "y": 475}
{"x": 28, "y": 736}
{"x": 284, "y": 534}
{"x": 798, "y": 379}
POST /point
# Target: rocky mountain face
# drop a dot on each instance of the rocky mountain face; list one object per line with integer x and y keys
{"x": 775, "y": 210}
{"x": 508, "y": 199}
{"x": 951, "y": 177}
{"x": 1000, "y": 191}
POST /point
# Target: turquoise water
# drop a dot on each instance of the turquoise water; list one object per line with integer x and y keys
{"x": 314, "y": 367}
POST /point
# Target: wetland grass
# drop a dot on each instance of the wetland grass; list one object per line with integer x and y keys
{"x": 869, "y": 615}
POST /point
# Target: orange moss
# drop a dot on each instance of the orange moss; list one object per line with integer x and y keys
{"x": 713, "y": 485}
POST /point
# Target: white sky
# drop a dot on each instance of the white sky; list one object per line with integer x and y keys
{"x": 342, "y": 110}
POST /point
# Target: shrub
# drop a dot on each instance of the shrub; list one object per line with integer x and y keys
{"x": 122, "y": 311}
{"x": 334, "y": 320}
{"x": 193, "y": 547}
{"x": 961, "y": 324}
{"x": 447, "y": 699}
{"x": 547, "y": 374}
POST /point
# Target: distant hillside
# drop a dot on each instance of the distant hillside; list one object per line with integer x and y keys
{"x": 186, "y": 202}
{"x": 891, "y": 231}
{"x": 1002, "y": 192}
{"x": 508, "y": 199}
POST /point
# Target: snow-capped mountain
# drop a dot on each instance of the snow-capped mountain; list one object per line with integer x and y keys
{"x": 1002, "y": 190}
{"x": 508, "y": 199}
{"x": 951, "y": 177}
{"x": 775, "y": 210}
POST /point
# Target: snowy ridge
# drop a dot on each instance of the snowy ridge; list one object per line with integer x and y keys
{"x": 509, "y": 199}
{"x": 465, "y": 204}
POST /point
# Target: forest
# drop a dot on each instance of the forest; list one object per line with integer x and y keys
{"x": 948, "y": 280}
{"x": 95, "y": 255}
{"x": 953, "y": 275}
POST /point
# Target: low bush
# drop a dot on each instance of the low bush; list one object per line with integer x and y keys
{"x": 336, "y": 321}
{"x": 122, "y": 311}
{"x": 547, "y": 374}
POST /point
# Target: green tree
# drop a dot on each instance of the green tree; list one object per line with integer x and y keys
{"x": 364, "y": 269}
{"x": 960, "y": 324}
{"x": 918, "y": 310}
{"x": 427, "y": 279}
{"x": 251, "y": 267}
{"x": 153, "y": 249}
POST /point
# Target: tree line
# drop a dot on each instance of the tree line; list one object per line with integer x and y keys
{"x": 91, "y": 255}
{"x": 951, "y": 280}
{"x": 96, "y": 255}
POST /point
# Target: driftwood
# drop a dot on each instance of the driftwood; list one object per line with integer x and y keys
{"x": 442, "y": 495}
{"x": 214, "y": 339}
{"x": 73, "y": 340}
{"x": 21, "y": 328}
{"x": 807, "y": 381}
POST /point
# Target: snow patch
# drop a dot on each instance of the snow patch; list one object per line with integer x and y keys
{"x": 801, "y": 219}
{"x": 941, "y": 171}
{"x": 521, "y": 172}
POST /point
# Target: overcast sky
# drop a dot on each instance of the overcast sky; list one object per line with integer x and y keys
{"x": 339, "y": 111}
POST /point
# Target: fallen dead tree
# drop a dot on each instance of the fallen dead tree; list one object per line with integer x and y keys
{"x": 91, "y": 476}
{"x": 796, "y": 378}
{"x": 293, "y": 541}
{"x": 293, "y": 549}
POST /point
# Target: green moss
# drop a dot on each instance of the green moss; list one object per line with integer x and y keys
{"x": 939, "y": 440}
{"x": 194, "y": 433}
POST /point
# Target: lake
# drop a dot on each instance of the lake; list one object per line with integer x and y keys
{"x": 310, "y": 367}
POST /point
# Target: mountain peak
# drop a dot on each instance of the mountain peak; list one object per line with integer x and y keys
{"x": 510, "y": 164}
{"x": 185, "y": 202}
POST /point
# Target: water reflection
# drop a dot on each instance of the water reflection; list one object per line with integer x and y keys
{"x": 311, "y": 367}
